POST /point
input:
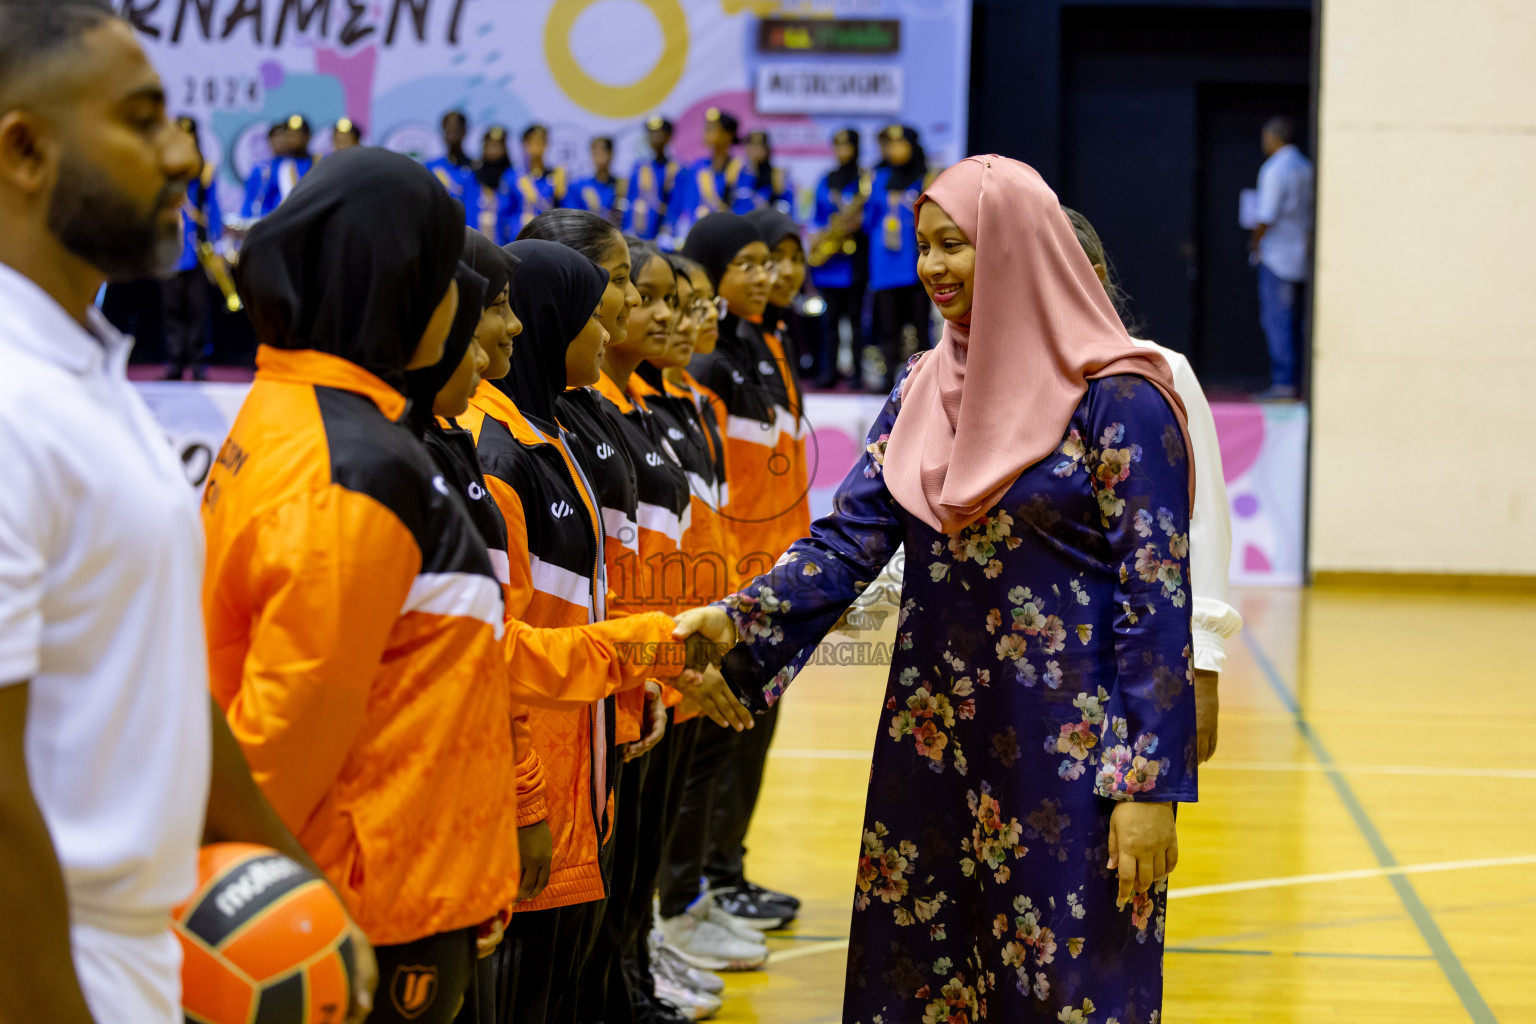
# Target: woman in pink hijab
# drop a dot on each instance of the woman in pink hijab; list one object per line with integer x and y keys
{"x": 1039, "y": 722}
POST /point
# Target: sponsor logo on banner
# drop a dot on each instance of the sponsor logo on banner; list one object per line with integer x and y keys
{"x": 830, "y": 89}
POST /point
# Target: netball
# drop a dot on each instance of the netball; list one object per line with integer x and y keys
{"x": 264, "y": 941}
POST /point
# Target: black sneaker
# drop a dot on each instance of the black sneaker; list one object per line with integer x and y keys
{"x": 769, "y": 896}
{"x": 750, "y": 910}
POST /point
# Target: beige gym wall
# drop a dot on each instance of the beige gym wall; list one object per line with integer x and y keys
{"x": 1424, "y": 380}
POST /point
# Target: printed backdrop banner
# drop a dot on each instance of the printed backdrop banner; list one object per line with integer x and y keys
{"x": 583, "y": 67}
{"x": 1263, "y": 453}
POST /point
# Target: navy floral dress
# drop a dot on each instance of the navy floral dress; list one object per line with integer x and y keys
{"x": 1041, "y": 672}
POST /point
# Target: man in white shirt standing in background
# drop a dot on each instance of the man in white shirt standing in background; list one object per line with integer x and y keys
{"x": 1281, "y": 249}
{"x": 115, "y": 764}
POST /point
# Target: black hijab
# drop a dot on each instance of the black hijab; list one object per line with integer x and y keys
{"x": 716, "y": 239}
{"x": 914, "y": 170}
{"x": 490, "y": 172}
{"x": 422, "y": 385}
{"x": 847, "y": 174}
{"x": 774, "y": 225}
{"x": 354, "y": 261}
{"x": 491, "y": 262}
{"x": 554, "y": 293}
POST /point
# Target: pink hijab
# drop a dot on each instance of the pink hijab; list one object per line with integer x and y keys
{"x": 996, "y": 395}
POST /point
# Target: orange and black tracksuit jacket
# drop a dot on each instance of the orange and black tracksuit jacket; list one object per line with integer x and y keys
{"x": 557, "y": 604}
{"x": 750, "y": 381}
{"x": 601, "y": 455}
{"x": 685, "y": 421}
{"x": 453, "y": 451}
{"x": 664, "y": 512}
{"x": 354, "y": 632}
{"x": 661, "y": 571}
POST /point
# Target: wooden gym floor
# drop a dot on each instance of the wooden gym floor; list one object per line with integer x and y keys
{"x": 1364, "y": 849}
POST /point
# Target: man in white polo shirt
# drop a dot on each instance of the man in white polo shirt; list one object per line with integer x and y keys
{"x": 114, "y": 762}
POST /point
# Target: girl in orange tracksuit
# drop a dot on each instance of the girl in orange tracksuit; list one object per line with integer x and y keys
{"x": 750, "y": 381}
{"x": 688, "y": 434}
{"x": 608, "y": 993}
{"x": 643, "y": 495}
{"x": 558, "y": 588}
{"x": 757, "y": 398}
{"x": 688, "y": 410}
{"x": 353, "y": 616}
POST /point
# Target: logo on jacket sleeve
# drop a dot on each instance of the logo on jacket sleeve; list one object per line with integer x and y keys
{"x": 413, "y": 990}
{"x": 652, "y": 459}
{"x": 604, "y": 451}
{"x": 675, "y": 434}
{"x": 765, "y": 368}
{"x": 441, "y": 485}
{"x": 560, "y": 509}
{"x": 737, "y": 377}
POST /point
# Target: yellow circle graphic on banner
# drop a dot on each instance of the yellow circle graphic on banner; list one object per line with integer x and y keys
{"x": 617, "y": 101}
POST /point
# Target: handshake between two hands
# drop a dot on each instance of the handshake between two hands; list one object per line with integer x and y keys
{"x": 708, "y": 633}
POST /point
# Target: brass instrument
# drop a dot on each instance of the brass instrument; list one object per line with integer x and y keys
{"x": 218, "y": 273}
{"x": 847, "y": 223}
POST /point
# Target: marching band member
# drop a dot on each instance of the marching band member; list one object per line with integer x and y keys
{"x": 490, "y": 170}
{"x": 454, "y": 168}
{"x": 718, "y": 183}
{"x": 537, "y": 189}
{"x": 901, "y": 305}
{"x": 839, "y": 256}
{"x": 600, "y": 192}
{"x": 772, "y": 186}
{"x": 346, "y": 134}
{"x": 272, "y": 179}
{"x": 652, "y": 185}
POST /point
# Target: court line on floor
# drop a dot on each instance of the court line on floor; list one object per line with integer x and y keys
{"x": 803, "y": 951}
{"x": 1286, "y": 881}
{"x": 1355, "y": 921}
{"x": 1418, "y": 770}
{"x": 815, "y": 945}
{"x": 1310, "y": 767}
{"x": 1461, "y": 982}
{"x": 1317, "y": 955}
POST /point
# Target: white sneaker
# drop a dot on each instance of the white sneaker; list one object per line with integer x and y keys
{"x": 665, "y": 957}
{"x": 733, "y": 924}
{"x": 691, "y": 1004}
{"x": 710, "y": 947}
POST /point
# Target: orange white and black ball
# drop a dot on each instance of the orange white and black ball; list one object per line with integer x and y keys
{"x": 264, "y": 941}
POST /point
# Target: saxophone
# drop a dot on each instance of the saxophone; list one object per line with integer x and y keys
{"x": 218, "y": 272}
{"x": 840, "y": 236}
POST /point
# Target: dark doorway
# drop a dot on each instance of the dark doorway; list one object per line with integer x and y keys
{"x": 1161, "y": 108}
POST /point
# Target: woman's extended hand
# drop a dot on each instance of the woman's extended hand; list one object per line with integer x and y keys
{"x": 1143, "y": 846}
{"x": 709, "y": 633}
{"x": 708, "y": 693}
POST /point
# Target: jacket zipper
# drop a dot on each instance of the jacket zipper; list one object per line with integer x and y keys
{"x": 578, "y": 479}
